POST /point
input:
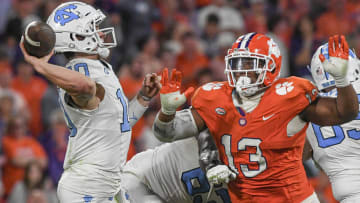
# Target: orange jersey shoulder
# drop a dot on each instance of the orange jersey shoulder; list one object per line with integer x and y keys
{"x": 209, "y": 93}
{"x": 209, "y": 101}
{"x": 293, "y": 89}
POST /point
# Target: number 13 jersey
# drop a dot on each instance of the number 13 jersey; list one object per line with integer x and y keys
{"x": 264, "y": 146}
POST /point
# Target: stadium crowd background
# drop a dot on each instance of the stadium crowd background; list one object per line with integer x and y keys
{"x": 191, "y": 35}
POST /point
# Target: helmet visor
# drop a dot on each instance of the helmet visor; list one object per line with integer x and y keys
{"x": 240, "y": 64}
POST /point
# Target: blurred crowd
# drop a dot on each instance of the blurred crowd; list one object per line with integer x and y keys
{"x": 190, "y": 35}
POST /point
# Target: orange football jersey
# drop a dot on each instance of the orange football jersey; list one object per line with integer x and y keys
{"x": 256, "y": 144}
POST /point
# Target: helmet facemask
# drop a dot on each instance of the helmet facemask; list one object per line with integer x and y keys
{"x": 246, "y": 71}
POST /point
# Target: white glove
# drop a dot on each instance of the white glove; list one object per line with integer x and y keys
{"x": 170, "y": 95}
{"x": 220, "y": 174}
{"x": 171, "y": 101}
{"x": 337, "y": 64}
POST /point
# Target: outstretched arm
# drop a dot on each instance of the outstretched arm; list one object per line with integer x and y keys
{"x": 169, "y": 124}
{"x": 344, "y": 108}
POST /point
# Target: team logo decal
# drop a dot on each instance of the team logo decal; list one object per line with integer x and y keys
{"x": 220, "y": 111}
{"x": 284, "y": 88}
{"x": 242, "y": 121}
{"x": 65, "y": 15}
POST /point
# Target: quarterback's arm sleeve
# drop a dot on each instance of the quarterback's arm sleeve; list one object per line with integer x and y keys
{"x": 181, "y": 127}
{"x": 136, "y": 110}
{"x": 208, "y": 152}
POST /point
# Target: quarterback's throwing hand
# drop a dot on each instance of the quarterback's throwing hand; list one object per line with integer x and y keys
{"x": 337, "y": 63}
{"x": 170, "y": 95}
{"x": 220, "y": 174}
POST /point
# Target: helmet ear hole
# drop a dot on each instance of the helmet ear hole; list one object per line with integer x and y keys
{"x": 79, "y": 37}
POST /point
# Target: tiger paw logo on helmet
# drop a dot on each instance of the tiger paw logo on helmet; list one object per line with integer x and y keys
{"x": 284, "y": 88}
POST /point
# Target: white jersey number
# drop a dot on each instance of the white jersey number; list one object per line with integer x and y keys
{"x": 253, "y": 157}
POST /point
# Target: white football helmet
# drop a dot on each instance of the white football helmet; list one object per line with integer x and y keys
{"x": 76, "y": 26}
{"x": 323, "y": 79}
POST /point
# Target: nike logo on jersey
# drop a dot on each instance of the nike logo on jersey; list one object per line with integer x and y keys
{"x": 268, "y": 117}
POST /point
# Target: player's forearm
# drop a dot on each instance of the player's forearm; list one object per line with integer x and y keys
{"x": 136, "y": 110}
{"x": 347, "y": 104}
{"x": 71, "y": 81}
{"x": 208, "y": 153}
{"x": 180, "y": 127}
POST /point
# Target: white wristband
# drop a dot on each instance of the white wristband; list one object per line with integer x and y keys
{"x": 167, "y": 111}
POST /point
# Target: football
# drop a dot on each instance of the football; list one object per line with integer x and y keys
{"x": 39, "y": 39}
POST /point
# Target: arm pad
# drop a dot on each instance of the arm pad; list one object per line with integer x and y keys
{"x": 136, "y": 110}
{"x": 183, "y": 126}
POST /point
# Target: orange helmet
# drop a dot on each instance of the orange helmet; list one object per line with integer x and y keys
{"x": 257, "y": 53}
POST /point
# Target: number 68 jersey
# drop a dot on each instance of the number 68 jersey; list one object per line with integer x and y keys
{"x": 99, "y": 139}
{"x": 337, "y": 150}
{"x": 263, "y": 146}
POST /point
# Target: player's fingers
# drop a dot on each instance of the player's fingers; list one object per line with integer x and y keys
{"x": 331, "y": 46}
{"x": 152, "y": 79}
{"x": 178, "y": 78}
{"x": 21, "y": 44}
{"x": 164, "y": 76}
{"x": 27, "y": 57}
{"x": 336, "y": 44}
{"x": 147, "y": 80}
{"x": 173, "y": 76}
{"x": 154, "y": 83}
{"x": 157, "y": 82}
{"x": 345, "y": 46}
{"x": 147, "y": 84}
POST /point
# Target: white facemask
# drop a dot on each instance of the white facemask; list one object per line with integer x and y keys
{"x": 246, "y": 92}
